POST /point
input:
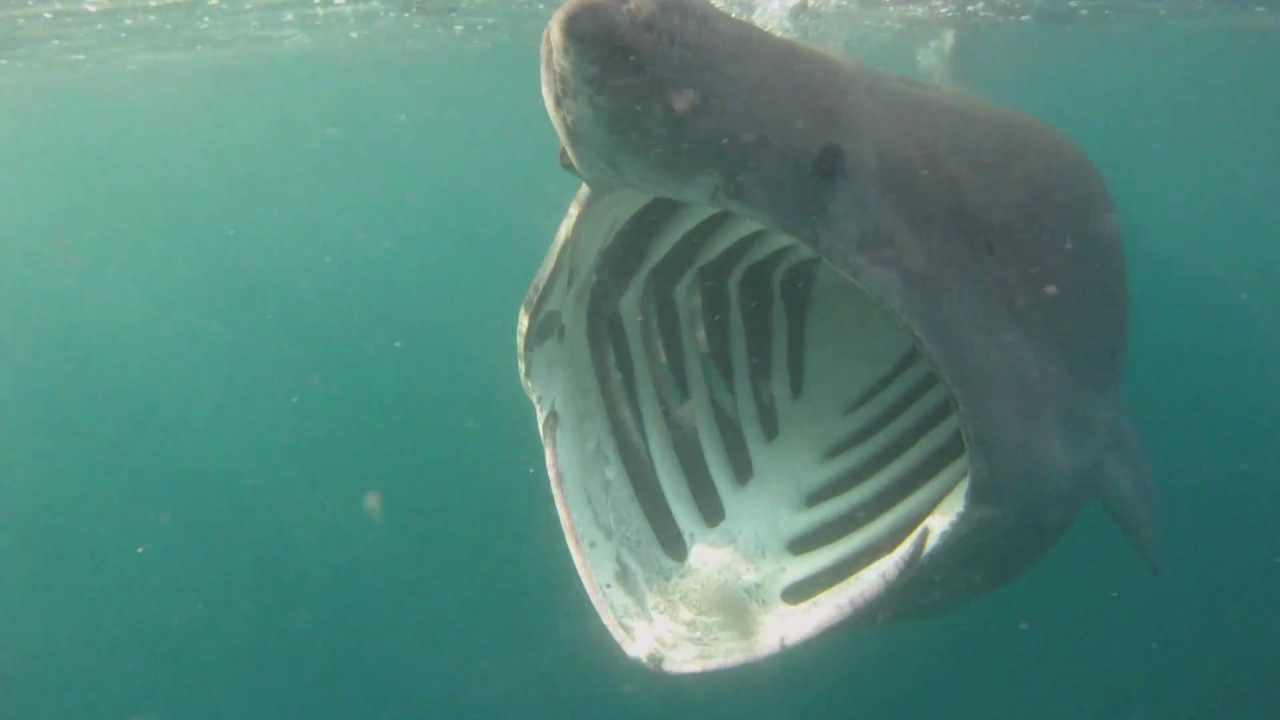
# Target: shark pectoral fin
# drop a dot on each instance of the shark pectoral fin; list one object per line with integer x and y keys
{"x": 1126, "y": 492}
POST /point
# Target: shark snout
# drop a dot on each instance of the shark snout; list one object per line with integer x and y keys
{"x": 586, "y": 24}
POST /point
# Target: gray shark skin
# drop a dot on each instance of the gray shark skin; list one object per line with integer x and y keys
{"x": 815, "y": 344}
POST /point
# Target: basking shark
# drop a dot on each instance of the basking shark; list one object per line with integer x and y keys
{"x": 814, "y": 344}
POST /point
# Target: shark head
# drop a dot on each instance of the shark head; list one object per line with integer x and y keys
{"x": 675, "y": 99}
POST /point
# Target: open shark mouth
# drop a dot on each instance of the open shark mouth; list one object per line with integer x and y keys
{"x": 744, "y": 447}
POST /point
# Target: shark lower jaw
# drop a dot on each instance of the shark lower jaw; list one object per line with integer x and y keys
{"x": 744, "y": 448}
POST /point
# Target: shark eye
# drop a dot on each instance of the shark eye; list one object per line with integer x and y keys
{"x": 828, "y": 163}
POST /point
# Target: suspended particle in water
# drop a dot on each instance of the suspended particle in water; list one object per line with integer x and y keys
{"x": 371, "y": 503}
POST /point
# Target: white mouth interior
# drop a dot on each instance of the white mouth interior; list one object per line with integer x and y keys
{"x": 744, "y": 447}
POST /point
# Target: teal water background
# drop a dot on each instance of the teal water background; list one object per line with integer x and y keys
{"x": 239, "y": 293}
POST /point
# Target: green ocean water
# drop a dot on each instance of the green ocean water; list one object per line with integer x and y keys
{"x": 264, "y": 452}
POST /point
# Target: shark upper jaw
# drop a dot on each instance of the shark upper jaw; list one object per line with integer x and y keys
{"x": 625, "y": 122}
